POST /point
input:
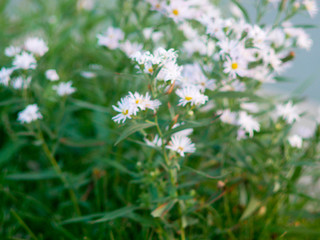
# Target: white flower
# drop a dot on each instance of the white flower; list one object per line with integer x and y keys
{"x": 29, "y": 114}
{"x": 248, "y": 123}
{"x": 234, "y": 67}
{"x": 179, "y": 10}
{"x": 191, "y": 95}
{"x": 295, "y": 141}
{"x": 111, "y": 38}
{"x": 5, "y": 75}
{"x": 215, "y": 28}
{"x": 136, "y": 102}
{"x": 185, "y": 132}
{"x": 181, "y": 145}
{"x": 250, "y": 107}
{"x": 170, "y": 72}
{"x": 20, "y": 82}
{"x": 156, "y": 142}
{"x": 130, "y": 48}
{"x": 241, "y": 134}
{"x": 24, "y": 61}
{"x": 288, "y": 112}
{"x": 227, "y": 46}
{"x": 36, "y": 45}
{"x": 228, "y": 117}
{"x": 11, "y": 51}
{"x": 150, "y": 104}
{"x": 87, "y": 74}
{"x": 52, "y": 75}
{"x": 85, "y": 4}
{"x": 64, "y": 88}
{"x": 311, "y": 7}
{"x": 125, "y": 110}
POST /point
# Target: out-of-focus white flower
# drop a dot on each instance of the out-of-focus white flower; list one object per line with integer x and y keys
{"x": 157, "y": 5}
{"x": 85, "y": 4}
{"x": 228, "y": 46}
{"x": 191, "y": 95}
{"x": 64, "y": 88}
{"x": 250, "y": 107}
{"x": 234, "y": 85}
{"x": 288, "y": 112}
{"x": 24, "y": 61}
{"x": 228, "y": 117}
{"x": 29, "y": 114}
{"x": 185, "y": 132}
{"x": 311, "y": 7}
{"x": 156, "y": 142}
{"x": 52, "y": 75}
{"x": 241, "y": 134}
{"x": 149, "y": 33}
{"x": 295, "y": 141}
{"x": 215, "y": 28}
{"x": 248, "y": 123}
{"x": 130, "y": 48}
{"x": 181, "y": 145}
{"x": 170, "y": 72}
{"x": 179, "y": 10}
{"x": 87, "y": 74}
{"x": 11, "y": 51}
{"x": 5, "y": 74}
{"x": 37, "y": 46}
{"x": 20, "y": 82}
{"x": 111, "y": 38}
{"x": 125, "y": 110}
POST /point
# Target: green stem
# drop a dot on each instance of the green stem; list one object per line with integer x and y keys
{"x": 23, "y": 224}
{"x": 58, "y": 170}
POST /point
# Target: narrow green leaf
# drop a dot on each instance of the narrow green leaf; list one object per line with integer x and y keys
{"x": 163, "y": 209}
{"x": 118, "y": 166}
{"x": 90, "y": 106}
{"x": 251, "y": 208}
{"x": 132, "y": 129}
{"x": 33, "y": 176}
{"x": 8, "y": 151}
{"x": 122, "y": 212}
{"x": 203, "y": 174}
{"x": 243, "y": 10}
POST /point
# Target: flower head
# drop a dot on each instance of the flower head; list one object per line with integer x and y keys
{"x": 295, "y": 141}
{"x": 248, "y": 123}
{"x": 52, "y": 75}
{"x": 111, "y": 38}
{"x": 37, "y": 46}
{"x": 64, "y": 88}
{"x": 192, "y": 95}
{"x": 29, "y": 114}
{"x": 181, "y": 144}
{"x": 125, "y": 110}
{"x": 288, "y": 112}
{"x": 24, "y": 61}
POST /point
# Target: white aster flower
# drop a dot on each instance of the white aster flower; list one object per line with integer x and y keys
{"x": 295, "y": 141}
{"x": 125, "y": 110}
{"x": 150, "y": 104}
{"x": 228, "y": 117}
{"x": 248, "y": 123}
{"x": 87, "y": 74}
{"x": 181, "y": 145}
{"x": 64, "y": 88}
{"x": 179, "y": 10}
{"x": 11, "y": 51}
{"x": 156, "y": 142}
{"x": 111, "y": 38}
{"x": 311, "y": 7}
{"x": 20, "y": 82}
{"x": 37, "y": 46}
{"x": 24, "y": 61}
{"x": 234, "y": 67}
{"x": 185, "y": 132}
{"x": 191, "y": 95}
{"x": 29, "y": 114}
{"x": 130, "y": 48}
{"x": 288, "y": 112}
{"x": 52, "y": 75}
{"x": 5, "y": 74}
{"x": 170, "y": 72}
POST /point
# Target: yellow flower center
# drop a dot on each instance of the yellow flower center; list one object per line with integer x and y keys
{"x": 175, "y": 12}
{"x": 234, "y": 66}
{"x": 150, "y": 70}
{"x": 125, "y": 112}
{"x": 137, "y": 101}
{"x": 181, "y": 149}
{"x": 188, "y": 98}
{"x": 158, "y": 5}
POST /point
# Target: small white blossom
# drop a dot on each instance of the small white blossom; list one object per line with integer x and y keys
{"x": 5, "y": 74}
{"x": 181, "y": 145}
{"x": 191, "y": 95}
{"x": 24, "y": 61}
{"x": 295, "y": 141}
{"x": 64, "y": 88}
{"x": 288, "y": 112}
{"x": 52, "y": 75}
{"x": 311, "y": 7}
{"x": 125, "y": 110}
{"x": 235, "y": 67}
{"x": 11, "y": 51}
{"x": 156, "y": 142}
{"x": 228, "y": 117}
{"x": 111, "y": 38}
{"x": 20, "y": 82}
{"x": 37, "y": 46}
{"x": 248, "y": 123}
{"x": 130, "y": 48}
{"x": 29, "y": 114}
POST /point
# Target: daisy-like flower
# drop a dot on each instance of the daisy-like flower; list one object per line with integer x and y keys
{"x": 24, "y": 61}
{"x": 5, "y": 74}
{"x": 228, "y": 117}
{"x": 227, "y": 46}
{"x": 111, "y": 38}
{"x": 37, "y": 46}
{"x": 20, "y": 82}
{"x": 29, "y": 114}
{"x": 192, "y": 95}
{"x": 234, "y": 67}
{"x": 64, "y": 88}
{"x": 170, "y": 72}
{"x": 156, "y": 142}
{"x": 11, "y": 51}
{"x": 181, "y": 145}
{"x": 185, "y": 132}
{"x": 248, "y": 123}
{"x": 311, "y": 7}
{"x": 288, "y": 112}
{"x": 52, "y": 75}
{"x": 295, "y": 141}
{"x": 215, "y": 28}
{"x": 150, "y": 104}
{"x": 136, "y": 101}
{"x": 130, "y": 48}
{"x": 179, "y": 10}
{"x": 125, "y": 110}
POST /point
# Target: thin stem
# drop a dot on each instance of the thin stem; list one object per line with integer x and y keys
{"x": 23, "y": 224}
{"x": 58, "y": 170}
